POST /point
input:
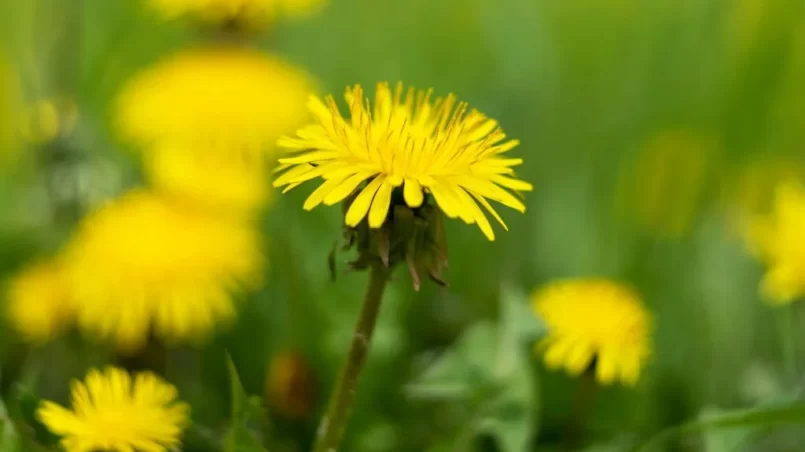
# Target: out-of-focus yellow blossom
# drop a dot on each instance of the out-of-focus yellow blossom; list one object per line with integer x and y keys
{"x": 594, "y": 322}
{"x": 227, "y": 98}
{"x": 777, "y": 240}
{"x": 39, "y": 306}
{"x": 407, "y": 142}
{"x": 113, "y": 412}
{"x": 749, "y": 189}
{"x": 144, "y": 264}
{"x": 664, "y": 188}
{"x": 248, "y": 11}
{"x": 47, "y": 119}
{"x": 238, "y": 182}
{"x": 291, "y": 386}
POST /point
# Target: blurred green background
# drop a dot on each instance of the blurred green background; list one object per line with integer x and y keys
{"x": 645, "y": 125}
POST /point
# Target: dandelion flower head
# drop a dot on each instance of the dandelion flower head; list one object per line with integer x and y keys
{"x": 594, "y": 322}
{"x": 39, "y": 306}
{"x": 145, "y": 264}
{"x": 236, "y": 183}
{"x": 47, "y": 119}
{"x": 236, "y": 99}
{"x": 777, "y": 240}
{"x": 250, "y": 11}
{"x": 749, "y": 189}
{"x": 112, "y": 411}
{"x": 407, "y": 141}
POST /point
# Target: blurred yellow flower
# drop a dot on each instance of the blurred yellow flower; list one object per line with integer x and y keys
{"x": 147, "y": 264}
{"x": 237, "y": 183}
{"x": 407, "y": 142}
{"x": 38, "y": 303}
{"x": 664, "y": 188}
{"x": 226, "y": 98}
{"x": 46, "y": 119}
{"x": 594, "y": 322}
{"x": 250, "y": 11}
{"x": 113, "y": 413}
{"x": 749, "y": 189}
{"x": 777, "y": 240}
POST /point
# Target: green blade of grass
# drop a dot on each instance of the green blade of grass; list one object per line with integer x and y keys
{"x": 790, "y": 413}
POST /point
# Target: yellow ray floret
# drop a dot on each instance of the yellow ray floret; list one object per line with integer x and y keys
{"x": 235, "y": 99}
{"x": 594, "y": 321}
{"x": 253, "y": 11}
{"x": 410, "y": 141}
{"x": 777, "y": 239}
{"x": 113, "y": 412}
{"x": 147, "y": 264}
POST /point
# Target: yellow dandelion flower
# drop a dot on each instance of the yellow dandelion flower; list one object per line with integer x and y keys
{"x": 38, "y": 303}
{"x": 776, "y": 239}
{"x": 407, "y": 141}
{"x": 47, "y": 119}
{"x": 236, "y": 182}
{"x": 230, "y": 98}
{"x": 749, "y": 189}
{"x": 111, "y": 412}
{"x": 250, "y": 11}
{"x": 594, "y": 322}
{"x": 144, "y": 263}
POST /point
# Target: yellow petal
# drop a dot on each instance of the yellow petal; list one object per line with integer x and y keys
{"x": 445, "y": 199}
{"x": 476, "y": 213}
{"x": 579, "y": 358}
{"x": 57, "y": 418}
{"x": 489, "y": 190}
{"x": 294, "y": 173}
{"x": 380, "y": 205}
{"x": 497, "y": 161}
{"x": 489, "y": 209}
{"x": 556, "y": 353}
{"x": 501, "y": 148}
{"x": 320, "y": 193}
{"x": 413, "y": 194}
{"x": 360, "y": 206}
{"x": 606, "y": 367}
{"x": 310, "y": 157}
{"x": 513, "y": 184}
{"x": 781, "y": 284}
{"x": 346, "y": 187}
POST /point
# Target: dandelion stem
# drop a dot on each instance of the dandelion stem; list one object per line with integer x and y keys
{"x": 583, "y": 407}
{"x": 332, "y": 424}
{"x": 787, "y": 333}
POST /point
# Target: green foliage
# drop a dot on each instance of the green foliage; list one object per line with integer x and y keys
{"x": 787, "y": 413}
{"x": 487, "y": 370}
{"x": 248, "y": 418}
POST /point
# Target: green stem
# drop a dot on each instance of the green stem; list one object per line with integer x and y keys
{"x": 581, "y": 410}
{"x": 787, "y": 333}
{"x": 332, "y": 424}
